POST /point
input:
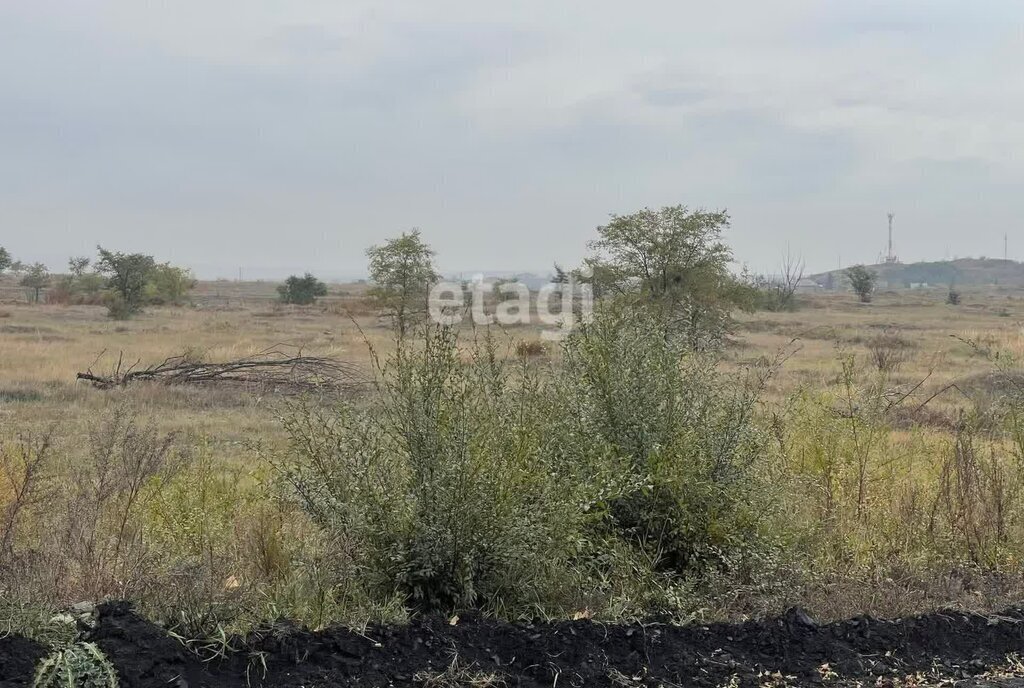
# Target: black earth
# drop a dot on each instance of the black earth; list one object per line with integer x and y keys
{"x": 790, "y": 650}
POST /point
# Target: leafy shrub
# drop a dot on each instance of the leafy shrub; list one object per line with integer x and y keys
{"x": 127, "y": 276}
{"x": 169, "y": 285}
{"x": 117, "y": 307}
{"x": 441, "y": 489}
{"x": 471, "y": 483}
{"x": 301, "y": 290}
{"x": 85, "y": 289}
{"x": 863, "y": 282}
{"x": 680, "y": 434}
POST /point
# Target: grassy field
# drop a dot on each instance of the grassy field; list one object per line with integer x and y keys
{"x": 856, "y": 489}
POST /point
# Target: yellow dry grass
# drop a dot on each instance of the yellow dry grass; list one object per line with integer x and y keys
{"x": 43, "y": 347}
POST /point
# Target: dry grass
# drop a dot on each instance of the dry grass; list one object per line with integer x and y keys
{"x": 931, "y": 330}
{"x": 42, "y": 348}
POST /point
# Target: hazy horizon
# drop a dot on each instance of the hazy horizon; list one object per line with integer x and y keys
{"x": 286, "y": 138}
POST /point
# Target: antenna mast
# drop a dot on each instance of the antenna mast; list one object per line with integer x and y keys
{"x": 890, "y": 256}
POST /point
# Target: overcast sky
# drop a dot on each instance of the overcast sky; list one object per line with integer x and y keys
{"x": 283, "y": 136}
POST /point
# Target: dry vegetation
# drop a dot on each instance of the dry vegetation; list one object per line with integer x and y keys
{"x": 888, "y": 479}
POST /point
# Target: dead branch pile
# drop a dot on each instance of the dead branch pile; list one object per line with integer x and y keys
{"x": 275, "y": 370}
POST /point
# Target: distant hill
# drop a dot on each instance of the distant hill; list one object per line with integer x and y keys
{"x": 963, "y": 272}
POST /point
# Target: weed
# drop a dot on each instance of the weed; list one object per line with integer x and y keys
{"x": 82, "y": 665}
{"x": 532, "y": 348}
{"x": 888, "y": 351}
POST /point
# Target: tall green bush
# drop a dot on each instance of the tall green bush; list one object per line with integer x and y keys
{"x": 680, "y": 434}
{"x": 440, "y": 489}
{"x": 468, "y": 481}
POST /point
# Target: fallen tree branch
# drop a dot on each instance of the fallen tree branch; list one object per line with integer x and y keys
{"x": 273, "y": 370}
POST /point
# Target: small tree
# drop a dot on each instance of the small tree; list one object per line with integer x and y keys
{"x": 675, "y": 260}
{"x": 77, "y": 265}
{"x": 302, "y": 290}
{"x": 79, "y": 285}
{"x": 36, "y": 279}
{"x": 402, "y": 271}
{"x": 863, "y": 282}
{"x": 169, "y": 285}
{"x": 127, "y": 277}
{"x": 5, "y": 259}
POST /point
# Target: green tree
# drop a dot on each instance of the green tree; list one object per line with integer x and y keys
{"x": 79, "y": 285}
{"x": 36, "y": 278}
{"x": 863, "y": 282}
{"x": 675, "y": 260}
{"x": 402, "y": 271}
{"x": 77, "y": 265}
{"x": 127, "y": 276}
{"x": 169, "y": 285}
{"x": 302, "y": 290}
{"x": 5, "y": 259}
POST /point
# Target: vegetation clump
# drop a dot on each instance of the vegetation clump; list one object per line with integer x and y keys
{"x": 862, "y": 280}
{"x": 402, "y": 272}
{"x": 486, "y": 484}
{"x": 82, "y": 665}
{"x": 672, "y": 259}
{"x": 301, "y": 291}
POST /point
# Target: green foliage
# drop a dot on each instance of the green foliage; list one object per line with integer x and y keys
{"x": 440, "y": 489}
{"x": 402, "y": 272}
{"x": 127, "y": 277}
{"x": 680, "y": 435}
{"x": 301, "y": 291}
{"x": 674, "y": 259}
{"x": 169, "y": 285}
{"x": 862, "y": 280}
{"x": 78, "y": 286}
{"x": 5, "y": 259}
{"x": 82, "y": 665}
{"x": 36, "y": 278}
{"x": 488, "y": 484}
{"x": 953, "y": 297}
{"x": 77, "y": 265}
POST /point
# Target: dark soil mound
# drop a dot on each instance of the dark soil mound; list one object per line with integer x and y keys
{"x": 18, "y": 657}
{"x": 577, "y": 653}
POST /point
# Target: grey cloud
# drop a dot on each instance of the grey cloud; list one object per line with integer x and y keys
{"x": 507, "y": 140}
